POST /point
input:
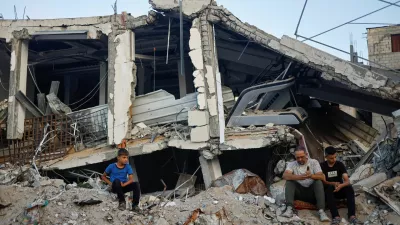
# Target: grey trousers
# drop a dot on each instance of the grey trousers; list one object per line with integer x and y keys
{"x": 314, "y": 194}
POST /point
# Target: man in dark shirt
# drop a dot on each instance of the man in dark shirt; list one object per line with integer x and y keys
{"x": 337, "y": 186}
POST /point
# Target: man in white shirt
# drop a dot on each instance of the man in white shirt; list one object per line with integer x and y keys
{"x": 304, "y": 182}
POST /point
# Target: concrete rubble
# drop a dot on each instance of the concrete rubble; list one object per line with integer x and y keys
{"x": 64, "y": 205}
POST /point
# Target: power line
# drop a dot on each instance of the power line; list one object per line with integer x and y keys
{"x": 94, "y": 94}
{"x": 101, "y": 81}
{"x": 301, "y": 16}
{"x": 390, "y": 4}
{"x": 340, "y": 50}
{"x": 33, "y": 78}
{"x": 391, "y": 24}
{"x": 395, "y": 4}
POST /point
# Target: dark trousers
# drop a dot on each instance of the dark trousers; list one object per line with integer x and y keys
{"x": 344, "y": 193}
{"x": 313, "y": 194}
{"x": 120, "y": 191}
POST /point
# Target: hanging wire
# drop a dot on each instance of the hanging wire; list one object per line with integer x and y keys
{"x": 97, "y": 85}
{"x": 390, "y": 4}
{"x": 34, "y": 78}
{"x": 94, "y": 94}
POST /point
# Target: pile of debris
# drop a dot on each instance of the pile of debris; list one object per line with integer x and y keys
{"x": 239, "y": 197}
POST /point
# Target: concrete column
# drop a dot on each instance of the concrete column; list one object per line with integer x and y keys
{"x": 211, "y": 170}
{"x": 67, "y": 89}
{"x": 141, "y": 80}
{"x": 103, "y": 86}
{"x": 207, "y": 77}
{"x": 132, "y": 163}
{"x": 186, "y": 81}
{"x": 121, "y": 83}
{"x": 18, "y": 78}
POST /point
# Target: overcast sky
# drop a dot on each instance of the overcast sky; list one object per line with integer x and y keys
{"x": 277, "y": 17}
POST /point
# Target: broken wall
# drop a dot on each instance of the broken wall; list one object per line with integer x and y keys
{"x": 380, "y": 46}
{"x": 121, "y": 83}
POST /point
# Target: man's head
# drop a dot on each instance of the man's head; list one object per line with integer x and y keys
{"x": 330, "y": 154}
{"x": 301, "y": 155}
{"x": 123, "y": 156}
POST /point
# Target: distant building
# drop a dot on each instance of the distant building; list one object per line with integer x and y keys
{"x": 384, "y": 46}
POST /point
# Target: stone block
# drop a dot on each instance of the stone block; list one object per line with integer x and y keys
{"x": 197, "y": 58}
{"x": 200, "y": 134}
{"x": 197, "y": 118}
{"x": 201, "y": 101}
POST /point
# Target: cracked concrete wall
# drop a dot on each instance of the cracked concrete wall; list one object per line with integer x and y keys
{"x": 94, "y": 25}
{"x": 199, "y": 133}
{"x": 90, "y": 24}
{"x": 380, "y": 46}
{"x": 122, "y": 83}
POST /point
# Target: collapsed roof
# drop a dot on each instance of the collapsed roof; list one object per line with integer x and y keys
{"x": 319, "y": 74}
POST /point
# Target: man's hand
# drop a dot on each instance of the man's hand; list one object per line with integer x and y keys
{"x": 340, "y": 186}
{"x": 304, "y": 177}
{"x": 122, "y": 184}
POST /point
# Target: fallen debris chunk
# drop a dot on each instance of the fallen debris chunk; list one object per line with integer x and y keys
{"x": 280, "y": 167}
{"x": 389, "y": 194}
{"x": 242, "y": 181}
{"x": 56, "y": 105}
{"x": 371, "y": 181}
{"x": 88, "y": 202}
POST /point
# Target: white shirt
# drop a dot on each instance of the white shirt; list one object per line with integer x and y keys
{"x": 298, "y": 169}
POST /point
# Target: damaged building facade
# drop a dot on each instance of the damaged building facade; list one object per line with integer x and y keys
{"x": 75, "y": 89}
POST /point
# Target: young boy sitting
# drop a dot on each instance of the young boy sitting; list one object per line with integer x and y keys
{"x": 121, "y": 179}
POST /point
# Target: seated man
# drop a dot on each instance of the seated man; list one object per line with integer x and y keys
{"x": 119, "y": 182}
{"x": 337, "y": 186}
{"x": 304, "y": 182}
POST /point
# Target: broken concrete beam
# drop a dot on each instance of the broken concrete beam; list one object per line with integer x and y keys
{"x": 56, "y": 106}
{"x": 41, "y": 98}
{"x": 28, "y": 104}
{"x": 211, "y": 170}
{"x": 371, "y": 181}
{"x": 200, "y": 134}
{"x": 197, "y": 118}
{"x": 189, "y": 7}
{"x": 53, "y": 90}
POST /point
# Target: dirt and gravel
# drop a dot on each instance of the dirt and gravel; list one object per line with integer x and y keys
{"x": 212, "y": 206}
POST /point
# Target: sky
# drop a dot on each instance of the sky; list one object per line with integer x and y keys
{"x": 277, "y": 17}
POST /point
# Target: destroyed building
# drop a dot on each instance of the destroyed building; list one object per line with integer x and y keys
{"x": 384, "y": 46}
{"x": 220, "y": 94}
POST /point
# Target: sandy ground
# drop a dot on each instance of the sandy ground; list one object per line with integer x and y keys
{"x": 238, "y": 209}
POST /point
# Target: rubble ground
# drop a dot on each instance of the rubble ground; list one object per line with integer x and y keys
{"x": 238, "y": 208}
